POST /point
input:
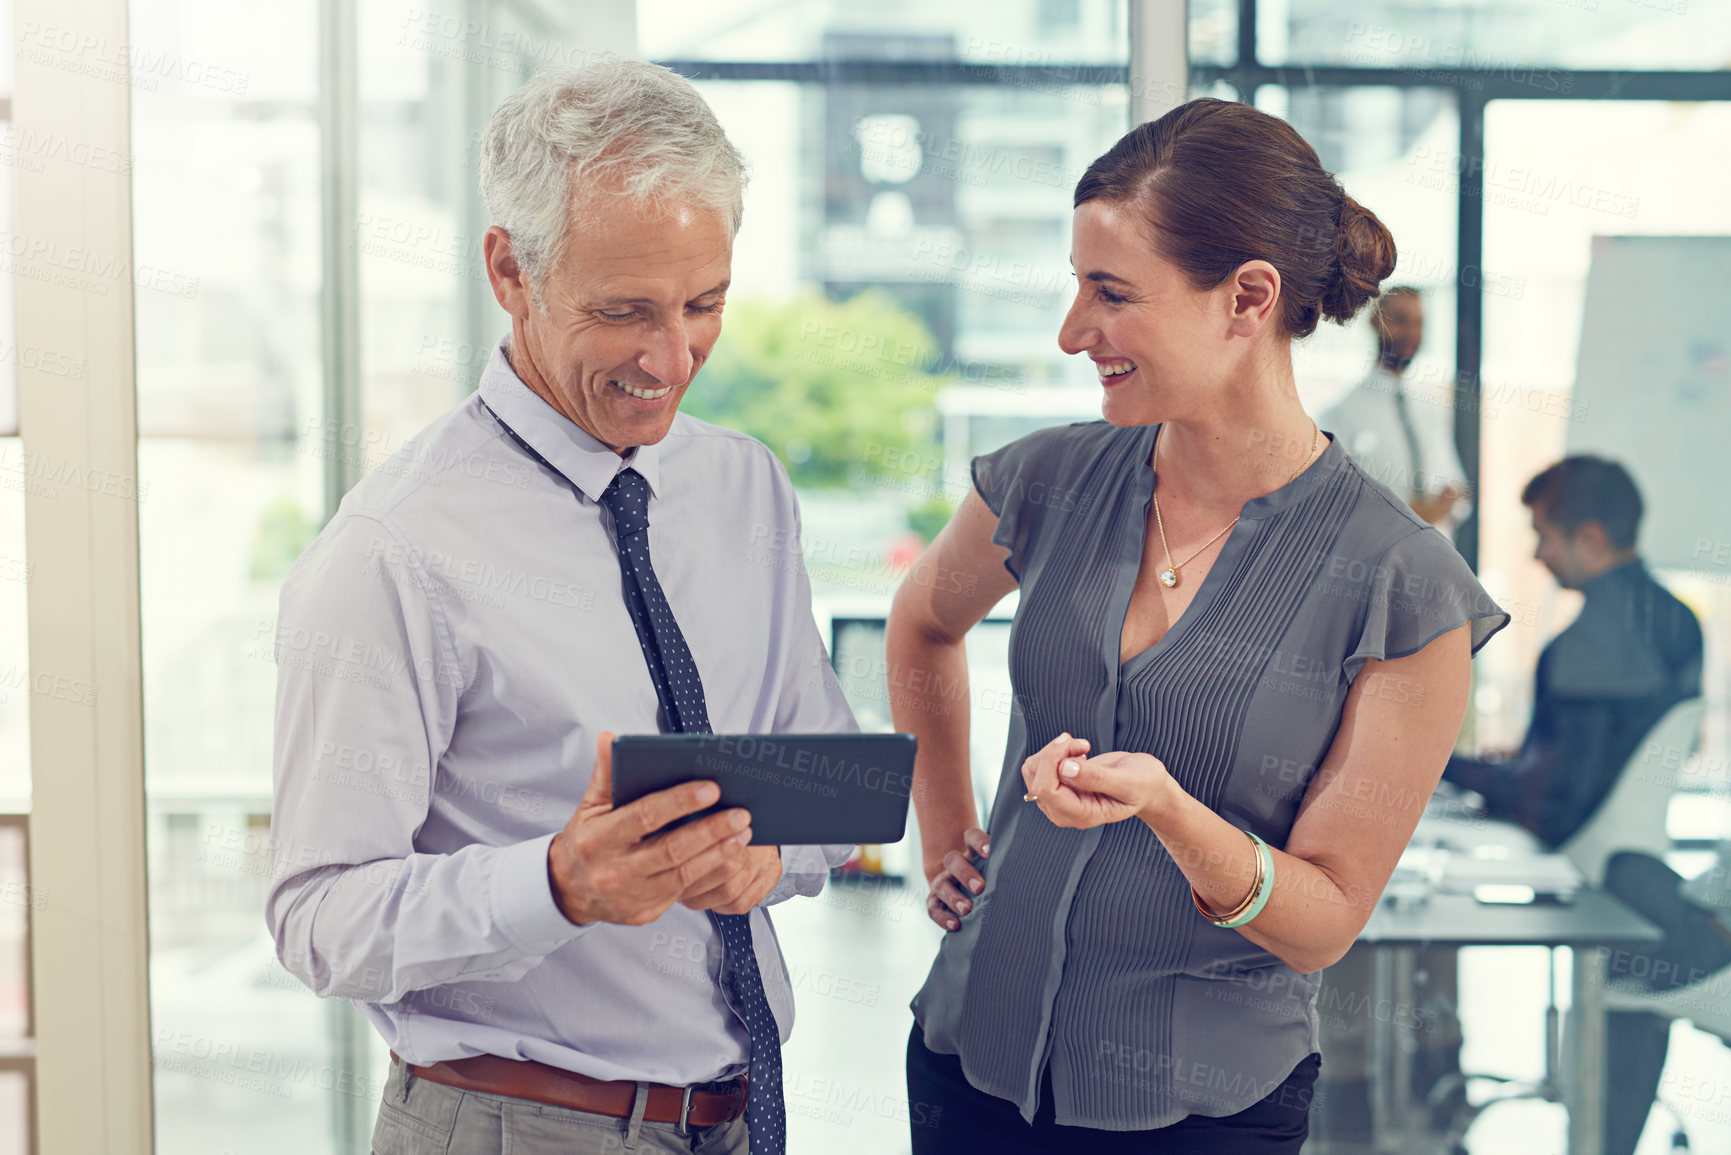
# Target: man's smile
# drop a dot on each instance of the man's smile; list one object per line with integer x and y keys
{"x": 643, "y": 393}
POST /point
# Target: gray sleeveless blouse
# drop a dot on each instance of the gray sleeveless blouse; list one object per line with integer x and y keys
{"x": 1084, "y": 952}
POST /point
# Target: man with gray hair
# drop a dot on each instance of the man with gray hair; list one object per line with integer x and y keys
{"x": 560, "y": 556}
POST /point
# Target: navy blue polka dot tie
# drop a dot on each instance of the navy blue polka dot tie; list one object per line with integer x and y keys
{"x": 681, "y": 694}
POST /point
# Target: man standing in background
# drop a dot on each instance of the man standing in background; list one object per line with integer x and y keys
{"x": 1407, "y": 445}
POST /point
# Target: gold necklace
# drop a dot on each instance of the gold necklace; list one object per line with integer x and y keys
{"x": 1169, "y": 575}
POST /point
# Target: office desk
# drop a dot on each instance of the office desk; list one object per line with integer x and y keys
{"x": 1594, "y": 920}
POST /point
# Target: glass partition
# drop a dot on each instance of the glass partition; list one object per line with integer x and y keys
{"x": 1529, "y": 42}
{"x": 1388, "y": 146}
{"x": 906, "y": 244}
{"x": 1560, "y": 178}
{"x": 899, "y": 281}
{"x": 908, "y": 241}
{"x": 1565, "y": 185}
{"x": 225, "y": 165}
{"x": 1055, "y": 34}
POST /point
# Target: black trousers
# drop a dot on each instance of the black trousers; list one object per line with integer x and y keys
{"x": 949, "y": 1117}
{"x": 1692, "y": 950}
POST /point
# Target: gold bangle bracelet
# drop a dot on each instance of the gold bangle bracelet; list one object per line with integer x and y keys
{"x": 1249, "y": 899}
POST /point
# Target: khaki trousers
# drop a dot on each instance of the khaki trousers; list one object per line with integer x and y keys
{"x": 417, "y": 1117}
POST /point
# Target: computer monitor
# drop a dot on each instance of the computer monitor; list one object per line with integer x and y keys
{"x": 857, "y": 652}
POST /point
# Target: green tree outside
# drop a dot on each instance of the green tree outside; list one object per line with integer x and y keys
{"x": 284, "y": 531}
{"x": 842, "y": 392}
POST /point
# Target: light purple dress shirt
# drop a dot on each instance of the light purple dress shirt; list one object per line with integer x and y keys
{"x": 448, "y": 649}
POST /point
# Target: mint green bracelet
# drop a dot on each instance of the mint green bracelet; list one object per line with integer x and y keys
{"x": 1265, "y": 857}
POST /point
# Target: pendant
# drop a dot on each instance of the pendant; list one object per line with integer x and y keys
{"x": 1169, "y": 578}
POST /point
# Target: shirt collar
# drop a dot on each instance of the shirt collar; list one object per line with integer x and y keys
{"x": 1627, "y": 571}
{"x": 577, "y": 455}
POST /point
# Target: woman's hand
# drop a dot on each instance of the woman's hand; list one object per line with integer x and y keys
{"x": 1040, "y": 769}
{"x": 957, "y": 880}
{"x": 1082, "y": 793}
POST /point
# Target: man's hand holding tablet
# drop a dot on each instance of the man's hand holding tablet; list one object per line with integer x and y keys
{"x": 800, "y": 789}
{"x": 610, "y": 864}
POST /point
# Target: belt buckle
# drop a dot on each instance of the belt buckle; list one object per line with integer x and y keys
{"x": 682, "y": 1130}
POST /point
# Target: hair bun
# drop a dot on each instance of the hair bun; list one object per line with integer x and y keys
{"x": 1219, "y": 183}
{"x": 1364, "y": 258}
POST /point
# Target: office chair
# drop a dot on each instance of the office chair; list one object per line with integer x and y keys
{"x": 1631, "y": 817}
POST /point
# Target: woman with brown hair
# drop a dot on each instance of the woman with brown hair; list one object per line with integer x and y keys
{"x": 1239, "y": 667}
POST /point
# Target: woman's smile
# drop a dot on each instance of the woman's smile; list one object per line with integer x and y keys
{"x": 1113, "y": 370}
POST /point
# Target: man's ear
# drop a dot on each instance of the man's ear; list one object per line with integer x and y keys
{"x": 1591, "y": 538}
{"x": 1255, "y": 295}
{"x": 510, "y": 285}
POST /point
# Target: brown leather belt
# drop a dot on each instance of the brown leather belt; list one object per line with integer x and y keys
{"x": 702, "y": 1105}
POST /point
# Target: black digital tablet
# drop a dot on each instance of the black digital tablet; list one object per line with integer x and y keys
{"x": 800, "y": 788}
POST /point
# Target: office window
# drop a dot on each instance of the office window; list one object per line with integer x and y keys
{"x": 1213, "y": 31}
{"x": 1563, "y": 182}
{"x": 1387, "y": 146}
{"x": 909, "y": 244}
{"x": 428, "y": 322}
{"x": 225, "y": 166}
{"x": 899, "y": 281}
{"x": 857, "y": 651}
{"x": 1059, "y": 33}
{"x": 14, "y": 570}
{"x": 9, "y": 352}
{"x": 909, "y": 267}
{"x": 1527, "y": 41}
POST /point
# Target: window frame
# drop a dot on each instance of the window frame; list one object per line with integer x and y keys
{"x": 1157, "y": 82}
{"x": 89, "y": 946}
{"x": 89, "y": 958}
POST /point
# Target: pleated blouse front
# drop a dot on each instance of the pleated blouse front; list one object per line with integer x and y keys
{"x": 1085, "y": 952}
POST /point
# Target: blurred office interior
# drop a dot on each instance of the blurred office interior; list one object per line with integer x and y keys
{"x": 242, "y": 268}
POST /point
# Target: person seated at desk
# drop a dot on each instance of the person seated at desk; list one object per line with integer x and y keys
{"x": 1632, "y": 653}
{"x": 1695, "y": 918}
